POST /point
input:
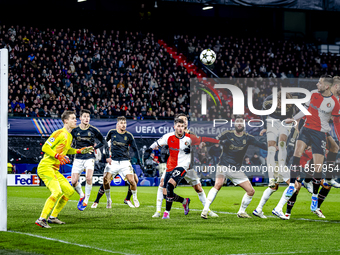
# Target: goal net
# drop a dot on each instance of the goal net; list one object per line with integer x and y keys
{"x": 3, "y": 137}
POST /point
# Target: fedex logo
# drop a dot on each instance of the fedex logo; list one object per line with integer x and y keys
{"x": 26, "y": 179}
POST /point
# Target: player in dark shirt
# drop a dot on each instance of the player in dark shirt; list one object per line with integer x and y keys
{"x": 101, "y": 192}
{"x": 235, "y": 144}
{"x": 84, "y": 135}
{"x": 119, "y": 162}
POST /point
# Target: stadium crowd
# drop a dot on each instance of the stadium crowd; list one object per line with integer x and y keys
{"x": 261, "y": 63}
{"x": 116, "y": 73}
{"x": 112, "y": 74}
{"x": 265, "y": 57}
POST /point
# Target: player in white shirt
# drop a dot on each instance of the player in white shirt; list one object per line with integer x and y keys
{"x": 276, "y": 132}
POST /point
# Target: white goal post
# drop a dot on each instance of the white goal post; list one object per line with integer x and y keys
{"x": 3, "y": 137}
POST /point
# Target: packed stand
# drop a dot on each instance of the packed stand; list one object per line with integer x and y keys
{"x": 111, "y": 73}
{"x": 255, "y": 62}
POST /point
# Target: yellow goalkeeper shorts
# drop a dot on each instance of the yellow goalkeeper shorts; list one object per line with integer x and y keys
{"x": 55, "y": 181}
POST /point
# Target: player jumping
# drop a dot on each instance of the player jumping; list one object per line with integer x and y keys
{"x": 275, "y": 131}
{"x": 322, "y": 105}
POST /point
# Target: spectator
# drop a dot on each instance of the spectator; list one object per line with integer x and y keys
{"x": 255, "y": 159}
{"x": 215, "y": 152}
{"x": 247, "y": 161}
{"x": 263, "y": 157}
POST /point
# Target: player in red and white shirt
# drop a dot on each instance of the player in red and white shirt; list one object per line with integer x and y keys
{"x": 332, "y": 146}
{"x": 322, "y": 105}
{"x": 191, "y": 176}
{"x": 178, "y": 163}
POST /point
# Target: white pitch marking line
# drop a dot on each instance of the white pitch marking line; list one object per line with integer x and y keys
{"x": 269, "y": 216}
{"x": 66, "y": 242}
{"x": 283, "y": 252}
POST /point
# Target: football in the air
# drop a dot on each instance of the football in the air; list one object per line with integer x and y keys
{"x": 208, "y": 57}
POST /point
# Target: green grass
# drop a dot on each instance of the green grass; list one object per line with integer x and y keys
{"x": 133, "y": 230}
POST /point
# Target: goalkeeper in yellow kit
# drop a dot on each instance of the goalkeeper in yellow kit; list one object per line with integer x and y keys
{"x": 56, "y": 147}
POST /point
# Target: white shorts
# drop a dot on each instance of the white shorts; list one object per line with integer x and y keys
{"x": 275, "y": 129}
{"x": 163, "y": 175}
{"x": 80, "y": 165}
{"x": 237, "y": 177}
{"x": 192, "y": 178}
{"x": 122, "y": 168}
{"x": 162, "y": 169}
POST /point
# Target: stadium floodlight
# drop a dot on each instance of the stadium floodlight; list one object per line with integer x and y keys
{"x": 3, "y": 137}
{"x": 81, "y": 1}
{"x": 207, "y": 8}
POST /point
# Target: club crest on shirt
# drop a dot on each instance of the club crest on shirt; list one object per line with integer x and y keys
{"x": 125, "y": 138}
{"x": 244, "y": 141}
{"x": 52, "y": 139}
{"x": 89, "y": 133}
{"x": 329, "y": 105}
{"x": 186, "y": 143}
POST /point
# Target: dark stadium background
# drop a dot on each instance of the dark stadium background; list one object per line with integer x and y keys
{"x": 168, "y": 19}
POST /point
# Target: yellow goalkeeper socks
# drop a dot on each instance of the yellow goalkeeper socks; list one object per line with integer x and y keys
{"x": 60, "y": 205}
{"x": 49, "y": 204}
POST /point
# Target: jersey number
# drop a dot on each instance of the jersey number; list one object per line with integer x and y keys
{"x": 176, "y": 173}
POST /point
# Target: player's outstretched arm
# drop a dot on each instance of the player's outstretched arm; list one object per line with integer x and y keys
{"x": 134, "y": 147}
{"x": 196, "y": 140}
{"x": 100, "y": 137}
{"x": 336, "y": 122}
{"x": 254, "y": 142}
{"x": 84, "y": 150}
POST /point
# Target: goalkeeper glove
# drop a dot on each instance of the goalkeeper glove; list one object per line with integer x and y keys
{"x": 85, "y": 150}
{"x": 63, "y": 159}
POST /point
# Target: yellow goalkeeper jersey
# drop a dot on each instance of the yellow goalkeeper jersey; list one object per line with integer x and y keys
{"x": 59, "y": 142}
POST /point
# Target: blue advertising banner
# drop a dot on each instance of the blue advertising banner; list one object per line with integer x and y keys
{"x": 144, "y": 128}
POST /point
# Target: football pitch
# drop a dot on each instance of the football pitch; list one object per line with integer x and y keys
{"x": 124, "y": 230}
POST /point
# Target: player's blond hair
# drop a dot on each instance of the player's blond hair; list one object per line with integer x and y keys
{"x": 66, "y": 115}
{"x": 336, "y": 80}
{"x": 327, "y": 79}
{"x": 121, "y": 118}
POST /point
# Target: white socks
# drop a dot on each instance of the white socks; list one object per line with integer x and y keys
{"x": 266, "y": 194}
{"x": 108, "y": 195}
{"x": 88, "y": 189}
{"x": 245, "y": 202}
{"x": 202, "y": 197}
{"x": 282, "y": 201}
{"x": 271, "y": 158}
{"x": 134, "y": 194}
{"x": 211, "y": 196}
{"x": 159, "y": 199}
{"x": 282, "y": 156}
{"x": 79, "y": 190}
